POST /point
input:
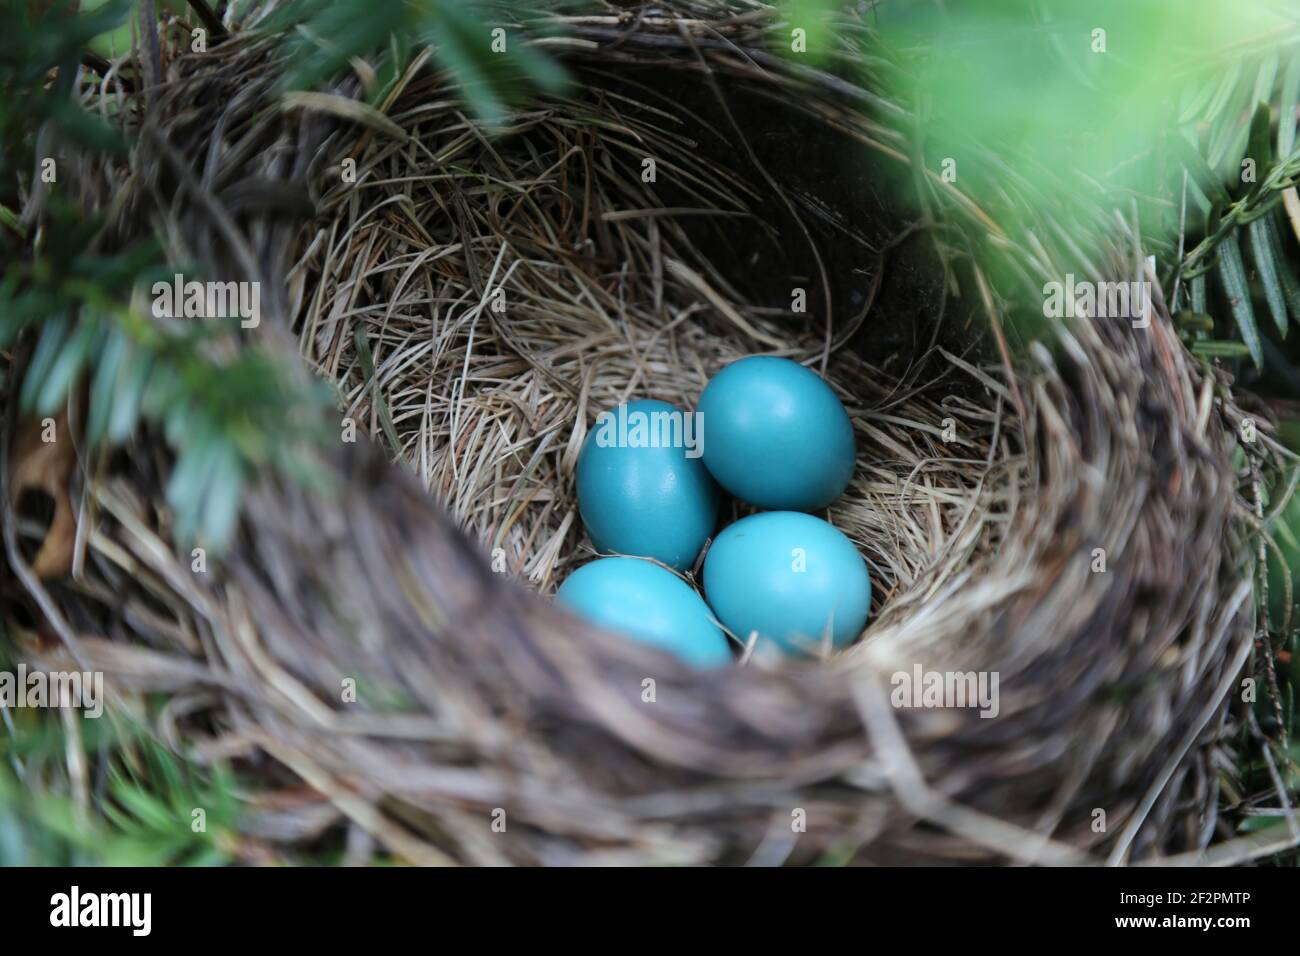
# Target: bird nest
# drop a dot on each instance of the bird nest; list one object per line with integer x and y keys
{"x": 1066, "y": 522}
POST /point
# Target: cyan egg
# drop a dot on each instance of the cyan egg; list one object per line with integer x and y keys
{"x": 776, "y": 435}
{"x": 649, "y": 603}
{"x": 790, "y": 577}
{"x": 642, "y": 486}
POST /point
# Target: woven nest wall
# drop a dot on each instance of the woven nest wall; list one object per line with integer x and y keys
{"x": 983, "y": 489}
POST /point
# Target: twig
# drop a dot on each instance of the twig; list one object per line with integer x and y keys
{"x": 216, "y": 29}
{"x": 151, "y": 55}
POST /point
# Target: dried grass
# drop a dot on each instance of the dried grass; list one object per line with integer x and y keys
{"x": 490, "y": 407}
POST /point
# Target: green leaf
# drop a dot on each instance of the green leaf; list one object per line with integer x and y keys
{"x": 1198, "y": 294}
{"x": 328, "y": 36}
{"x": 1285, "y": 273}
{"x": 1230, "y": 137}
{"x": 1267, "y": 268}
{"x": 149, "y": 811}
{"x": 9, "y": 219}
{"x": 1260, "y": 146}
{"x": 1259, "y": 824}
{"x": 466, "y": 54}
{"x": 221, "y": 498}
{"x": 1213, "y": 348}
{"x": 193, "y": 468}
{"x": 48, "y": 349}
{"x": 331, "y": 35}
{"x": 1290, "y": 97}
{"x": 1205, "y": 178}
{"x": 376, "y": 393}
{"x": 125, "y": 413}
{"x": 65, "y": 372}
{"x": 1222, "y": 122}
{"x": 1224, "y": 93}
{"x": 1233, "y": 276}
{"x": 103, "y": 389}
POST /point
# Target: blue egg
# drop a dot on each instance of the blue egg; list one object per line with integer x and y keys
{"x": 789, "y": 576}
{"x": 643, "y": 489}
{"x": 649, "y": 603}
{"x": 776, "y": 435}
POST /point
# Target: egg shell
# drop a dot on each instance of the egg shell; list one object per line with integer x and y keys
{"x": 786, "y": 575}
{"x": 776, "y": 436}
{"x": 651, "y": 502}
{"x": 648, "y": 603}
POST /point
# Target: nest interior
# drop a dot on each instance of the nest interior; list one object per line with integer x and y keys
{"x": 982, "y": 493}
{"x": 509, "y": 289}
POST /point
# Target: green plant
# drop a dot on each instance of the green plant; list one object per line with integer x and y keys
{"x": 143, "y": 814}
{"x": 227, "y": 417}
{"x": 492, "y": 71}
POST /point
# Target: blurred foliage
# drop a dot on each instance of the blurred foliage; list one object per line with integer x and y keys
{"x": 1055, "y": 115}
{"x": 228, "y": 413}
{"x": 117, "y": 41}
{"x": 31, "y": 46}
{"x": 1082, "y": 85}
{"x": 325, "y": 37}
{"x": 816, "y": 18}
{"x": 143, "y": 800}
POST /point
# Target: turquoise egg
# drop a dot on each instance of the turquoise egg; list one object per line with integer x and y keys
{"x": 643, "y": 489}
{"x": 788, "y": 575}
{"x": 649, "y": 603}
{"x": 776, "y": 435}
